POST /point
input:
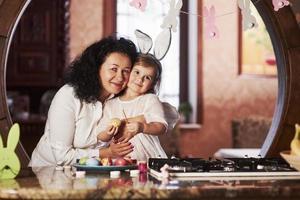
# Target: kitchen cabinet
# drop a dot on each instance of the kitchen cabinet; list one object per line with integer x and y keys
{"x": 37, "y": 54}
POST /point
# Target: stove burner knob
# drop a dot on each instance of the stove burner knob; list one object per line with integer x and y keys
{"x": 260, "y": 167}
{"x": 228, "y": 169}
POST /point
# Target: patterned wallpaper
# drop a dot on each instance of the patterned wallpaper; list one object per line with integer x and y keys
{"x": 226, "y": 94}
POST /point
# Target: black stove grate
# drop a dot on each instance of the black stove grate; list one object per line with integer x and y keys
{"x": 221, "y": 165}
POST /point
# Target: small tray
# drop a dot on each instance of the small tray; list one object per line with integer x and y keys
{"x": 104, "y": 168}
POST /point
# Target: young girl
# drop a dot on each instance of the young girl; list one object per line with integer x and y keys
{"x": 138, "y": 99}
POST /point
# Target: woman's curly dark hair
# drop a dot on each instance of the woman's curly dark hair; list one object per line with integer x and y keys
{"x": 83, "y": 72}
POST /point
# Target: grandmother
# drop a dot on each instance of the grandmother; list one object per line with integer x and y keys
{"x": 101, "y": 72}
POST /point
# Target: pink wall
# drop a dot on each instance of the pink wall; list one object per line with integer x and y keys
{"x": 85, "y": 24}
{"x": 226, "y": 95}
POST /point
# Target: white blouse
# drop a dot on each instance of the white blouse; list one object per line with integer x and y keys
{"x": 70, "y": 132}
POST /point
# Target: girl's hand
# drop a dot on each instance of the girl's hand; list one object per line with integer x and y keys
{"x": 134, "y": 127}
{"x": 139, "y": 118}
{"x": 112, "y": 130}
{"x": 131, "y": 129}
{"x": 108, "y": 133}
{"x": 120, "y": 149}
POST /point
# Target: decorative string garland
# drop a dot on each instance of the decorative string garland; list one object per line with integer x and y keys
{"x": 209, "y": 15}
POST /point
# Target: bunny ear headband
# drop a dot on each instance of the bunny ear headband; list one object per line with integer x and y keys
{"x": 161, "y": 46}
{"x": 163, "y": 40}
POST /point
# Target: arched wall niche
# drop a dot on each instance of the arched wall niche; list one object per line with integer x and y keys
{"x": 10, "y": 13}
{"x": 284, "y": 34}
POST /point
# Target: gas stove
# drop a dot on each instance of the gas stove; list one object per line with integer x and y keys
{"x": 228, "y": 168}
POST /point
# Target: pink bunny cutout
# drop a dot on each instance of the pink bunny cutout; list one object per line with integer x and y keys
{"x": 139, "y": 4}
{"x": 280, "y": 4}
{"x": 211, "y": 30}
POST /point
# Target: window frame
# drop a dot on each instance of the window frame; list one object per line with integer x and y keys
{"x": 200, "y": 102}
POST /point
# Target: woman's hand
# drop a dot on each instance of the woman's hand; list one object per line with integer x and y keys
{"x": 116, "y": 150}
{"x": 120, "y": 149}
